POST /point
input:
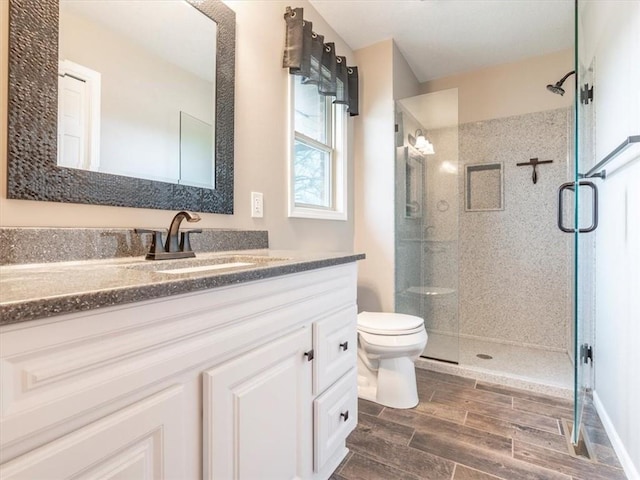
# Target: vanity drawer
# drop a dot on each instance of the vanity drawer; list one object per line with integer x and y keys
{"x": 335, "y": 340}
{"x": 335, "y": 416}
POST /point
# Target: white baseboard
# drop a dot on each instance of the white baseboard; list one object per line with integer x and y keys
{"x": 627, "y": 464}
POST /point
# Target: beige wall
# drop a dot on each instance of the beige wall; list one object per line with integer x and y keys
{"x": 260, "y": 145}
{"x": 384, "y": 76}
{"x": 374, "y": 178}
{"x": 405, "y": 83}
{"x": 510, "y": 89}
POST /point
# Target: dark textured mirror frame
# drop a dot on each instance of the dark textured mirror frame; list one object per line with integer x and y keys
{"x": 32, "y": 171}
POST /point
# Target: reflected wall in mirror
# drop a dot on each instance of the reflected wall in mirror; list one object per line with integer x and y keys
{"x": 144, "y": 114}
{"x": 127, "y": 71}
{"x": 196, "y": 151}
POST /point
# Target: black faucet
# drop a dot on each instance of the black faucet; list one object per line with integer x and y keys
{"x": 175, "y": 246}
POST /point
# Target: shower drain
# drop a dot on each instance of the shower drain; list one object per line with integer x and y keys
{"x": 484, "y": 356}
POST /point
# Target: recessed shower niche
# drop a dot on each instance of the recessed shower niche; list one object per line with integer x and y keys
{"x": 483, "y": 187}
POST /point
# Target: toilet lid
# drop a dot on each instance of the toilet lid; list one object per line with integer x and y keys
{"x": 379, "y": 322}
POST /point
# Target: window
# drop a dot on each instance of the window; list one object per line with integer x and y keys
{"x": 317, "y": 164}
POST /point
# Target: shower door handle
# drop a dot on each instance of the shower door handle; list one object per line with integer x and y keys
{"x": 594, "y": 203}
{"x": 563, "y": 187}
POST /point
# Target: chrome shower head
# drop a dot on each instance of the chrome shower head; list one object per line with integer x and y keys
{"x": 557, "y": 87}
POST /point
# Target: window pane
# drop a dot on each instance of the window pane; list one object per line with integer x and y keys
{"x": 312, "y": 173}
{"x": 310, "y": 111}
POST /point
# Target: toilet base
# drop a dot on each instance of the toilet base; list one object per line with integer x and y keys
{"x": 367, "y": 392}
{"x": 393, "y": 385}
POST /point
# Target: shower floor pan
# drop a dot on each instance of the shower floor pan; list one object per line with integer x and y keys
{"x": 517, "y": 366}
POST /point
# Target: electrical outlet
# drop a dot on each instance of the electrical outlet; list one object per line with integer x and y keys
{"x": 256, "y": 205}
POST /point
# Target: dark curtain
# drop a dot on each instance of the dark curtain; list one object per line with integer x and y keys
{"x": 306, "y": 55}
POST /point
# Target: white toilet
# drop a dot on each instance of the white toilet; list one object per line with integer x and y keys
{"x": 388, "y": 346}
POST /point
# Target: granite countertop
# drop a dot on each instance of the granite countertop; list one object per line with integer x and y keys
{"x": 32, "y": 291}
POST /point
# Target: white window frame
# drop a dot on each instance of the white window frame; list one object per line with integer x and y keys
{"x": 338, "y": 156}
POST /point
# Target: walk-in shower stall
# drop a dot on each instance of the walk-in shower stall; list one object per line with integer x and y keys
{"x": 497, "y": 176}
{"x": 478, "y": 252}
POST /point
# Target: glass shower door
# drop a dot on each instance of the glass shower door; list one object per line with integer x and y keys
{"x": 585, "y": 222}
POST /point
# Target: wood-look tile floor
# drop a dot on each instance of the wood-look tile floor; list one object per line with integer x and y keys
{"x": 464, "y": 429}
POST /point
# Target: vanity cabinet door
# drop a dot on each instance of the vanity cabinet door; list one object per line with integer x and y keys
{"x": 143, "y": 441}
{"x": 257, "y": 413}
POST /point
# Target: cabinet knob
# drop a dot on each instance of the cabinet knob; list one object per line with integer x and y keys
{"x": 344, "y": 346}
{"x": 309, "y": 355}
{"x": 345, "y": 415}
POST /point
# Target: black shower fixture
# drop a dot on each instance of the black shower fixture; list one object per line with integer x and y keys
{"x": 557, "y": 88}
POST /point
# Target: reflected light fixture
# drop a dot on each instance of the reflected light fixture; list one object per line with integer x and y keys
{"x": 421, "y": 143}
{"x": 448, "y": 167}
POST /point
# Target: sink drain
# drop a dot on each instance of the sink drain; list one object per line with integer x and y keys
{"x": 484, "y": 356}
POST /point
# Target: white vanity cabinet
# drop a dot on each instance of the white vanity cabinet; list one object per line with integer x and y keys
{"x": 217, "y": 384}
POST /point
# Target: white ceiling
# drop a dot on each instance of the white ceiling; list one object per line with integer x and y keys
{"x": 445, "y": 37}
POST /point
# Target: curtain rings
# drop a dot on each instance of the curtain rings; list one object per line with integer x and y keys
{"x": 293, "y": 15}
{"x": 314, "y": 35}
{"x": 338, "y": 59}
{"x": 350, "y": 70}
{"x": 327, "y": 48}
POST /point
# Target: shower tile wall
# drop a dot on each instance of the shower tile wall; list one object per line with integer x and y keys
{"x": 515, "y": 264}
{"x": 440, "y": 247}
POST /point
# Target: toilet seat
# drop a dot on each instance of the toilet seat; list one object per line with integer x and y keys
{"x": 394, "y": 342}
{"x": 372, "y": 332}
{"x": 393, "y": 324}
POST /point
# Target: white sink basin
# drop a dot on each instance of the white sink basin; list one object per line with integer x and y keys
{"x": 203, "y": 265}
{"x": 206, "y": 268}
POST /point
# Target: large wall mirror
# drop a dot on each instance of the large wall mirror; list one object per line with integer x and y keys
{"x": 125, "y": 103}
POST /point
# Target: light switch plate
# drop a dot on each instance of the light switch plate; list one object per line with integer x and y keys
{"x": 257, "y": 210}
